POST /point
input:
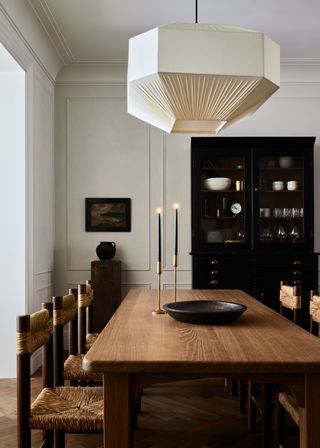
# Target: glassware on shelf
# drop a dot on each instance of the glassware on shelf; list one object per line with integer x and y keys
{"x": 294, "y": 234}
{"x": 281, "y": 234}
{"x": 266, "y": 235}
{"x": 241, "y": 235}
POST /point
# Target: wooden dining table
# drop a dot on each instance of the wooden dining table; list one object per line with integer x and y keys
{"x": 138, "y": 348}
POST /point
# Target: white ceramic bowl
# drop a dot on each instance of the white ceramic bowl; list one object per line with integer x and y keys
{"x": 292, "y": 185}
{"x": 217, "y": 183}
{"x": 285, "y": 162}
{"x": 277, "y": 185}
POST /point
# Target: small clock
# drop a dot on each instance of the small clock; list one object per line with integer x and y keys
{"x": 236, "y": 208}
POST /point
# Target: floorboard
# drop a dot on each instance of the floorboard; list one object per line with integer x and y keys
{"x": 190, "y": 414}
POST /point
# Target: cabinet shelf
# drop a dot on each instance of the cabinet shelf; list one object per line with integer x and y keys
{"x": 222, "y": 191}
{"x": 222, "y": 217}
{"x": 284, "y": 170}
{"x": 219, "y": 170}
{"x": 280, "y": 191}
{"x": 284, "y": 218}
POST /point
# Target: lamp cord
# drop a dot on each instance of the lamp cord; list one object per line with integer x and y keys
{"x": 196, "y": 11}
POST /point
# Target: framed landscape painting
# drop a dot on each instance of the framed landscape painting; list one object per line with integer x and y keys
{"x": 108, "y": 214}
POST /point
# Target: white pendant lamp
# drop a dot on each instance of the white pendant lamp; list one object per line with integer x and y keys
{"x": 195, "y": 78}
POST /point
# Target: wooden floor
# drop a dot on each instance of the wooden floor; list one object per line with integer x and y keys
{"x": 193, "y": 414}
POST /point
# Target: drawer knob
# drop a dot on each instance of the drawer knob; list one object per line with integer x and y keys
{"x": 214, "y": 282}
{"x": 214, "y": 261}
{"x": 296, "y": 272}
{"x": 296, "y": 262}
{"x": 214, "y": 272}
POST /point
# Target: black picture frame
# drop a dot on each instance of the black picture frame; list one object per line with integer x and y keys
{"x": 108, "y": 215}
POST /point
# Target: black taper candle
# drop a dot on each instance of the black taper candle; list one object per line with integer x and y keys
{"x": 176, "y": 231}
{"x": 159, "y": 235}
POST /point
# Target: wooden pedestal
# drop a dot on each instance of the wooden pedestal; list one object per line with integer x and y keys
{"x": 106, "y": 283}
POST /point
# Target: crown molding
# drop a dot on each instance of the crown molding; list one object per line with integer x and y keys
{"x": 300, "y": 61}
{"x": 52, "y": 29}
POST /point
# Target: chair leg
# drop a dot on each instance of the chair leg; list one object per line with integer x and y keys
{"x": 252, "y": 410}
{"x": 59, "y": 441}
{"x": 242, "y": 387}
{"x": 47, "y": 439}
{"x": 279, "y": 424}
{"x": 266, "y": 406}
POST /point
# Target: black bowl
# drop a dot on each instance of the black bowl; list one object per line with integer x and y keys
{"x": 205, "y": 312}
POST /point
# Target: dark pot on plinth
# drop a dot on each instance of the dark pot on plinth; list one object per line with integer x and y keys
{"x": 106, "y": 250}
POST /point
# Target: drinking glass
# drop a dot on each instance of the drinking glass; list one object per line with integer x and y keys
{"x": 282, "y": 234}
{"x": 294, "y": 234}
{"x": 266, "y": 235}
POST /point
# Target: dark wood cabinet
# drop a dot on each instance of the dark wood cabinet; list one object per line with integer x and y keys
{"x": 106, "y": 283}
{"x": 252, "y": 214}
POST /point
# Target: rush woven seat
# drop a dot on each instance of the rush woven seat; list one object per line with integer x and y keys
{"x": 72, "y": 409}
{"x": 91, "y": 339}
{"x": 73, "y": 370}
{"x": 67, "y": 313}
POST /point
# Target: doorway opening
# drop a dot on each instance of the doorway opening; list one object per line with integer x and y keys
{"x": 12, "y": 205}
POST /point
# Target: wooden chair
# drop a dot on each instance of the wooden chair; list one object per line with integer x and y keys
{"x": 56, "y": 409}
{"x": 71, "y": 369}
{"x": 290, "y": 302}
{"x": 260, "y": 396}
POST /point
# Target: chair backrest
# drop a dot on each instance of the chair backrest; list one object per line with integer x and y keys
{"x": 33, "y": 331}
{"x": 64, "y": 311}
{"x": 90, "y": 293}
{"x": 290, "y": 299}
{"x": 73, "y": 326}
{"x": 314, "y": 312}
{"x": 85, "y": 298}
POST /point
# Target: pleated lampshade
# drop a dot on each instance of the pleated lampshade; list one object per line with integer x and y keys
{"x": 195, "y": 78}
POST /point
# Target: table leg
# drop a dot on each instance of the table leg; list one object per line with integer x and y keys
{"x": 310, "y": 414}
{"x": 117, "y": 414}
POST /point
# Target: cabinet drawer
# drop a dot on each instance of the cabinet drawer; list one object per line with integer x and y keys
{"x": 221, "y": 271}
{"x": 287, "y": 261}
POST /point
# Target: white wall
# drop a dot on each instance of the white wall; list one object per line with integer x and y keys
{"x": 101, "y": 151}
{"x": 23, "y": 37}
{"x": 12, "y": 214}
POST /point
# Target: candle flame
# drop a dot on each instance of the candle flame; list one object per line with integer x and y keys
{"x": 158, "y": 210}
{"x": 176, "y": 205}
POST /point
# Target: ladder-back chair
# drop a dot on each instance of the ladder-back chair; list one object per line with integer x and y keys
{"x": 56, "y": 410}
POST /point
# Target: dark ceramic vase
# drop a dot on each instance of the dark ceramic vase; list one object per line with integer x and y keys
{"x": 106, "y": 250}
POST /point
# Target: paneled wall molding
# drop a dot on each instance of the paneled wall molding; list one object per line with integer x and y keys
{"x": 41, "y": 288}
{"x": 42, "y": 273}
{"x": 164, "y": 204}
{"x": 136, "y": 285}
{"x": 293, "y": 72}
{"x": 43, "y": 173}
{"x": 179, "y": 286}
{"x": 93, "y": 75}
{"x": 144, "y": 263}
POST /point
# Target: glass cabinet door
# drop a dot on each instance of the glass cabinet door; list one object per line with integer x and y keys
{"x": 281, "y": 200}
{"x": 223, "y": 206}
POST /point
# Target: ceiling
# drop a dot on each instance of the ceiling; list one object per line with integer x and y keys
{"x": 96, "y": 31}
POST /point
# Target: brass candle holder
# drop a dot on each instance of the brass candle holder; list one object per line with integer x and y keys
{"x": 159, "y": 272}
{"x": 175, "y": 265}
